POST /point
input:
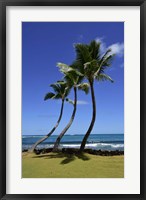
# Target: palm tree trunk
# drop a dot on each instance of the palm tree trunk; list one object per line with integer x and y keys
{"x": 92, "y": 121}
{"x": 55, "y": 148}
{"x": 50, "y": 133}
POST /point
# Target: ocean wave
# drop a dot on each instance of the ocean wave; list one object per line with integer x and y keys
{"x": 90, "y": 145}
{"x": 97, "y": 146}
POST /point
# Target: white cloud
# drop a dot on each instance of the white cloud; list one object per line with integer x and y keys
{"x": 102, "y": 44}
{"x": 116, "y": 48}
{"x": 80, "y": 102}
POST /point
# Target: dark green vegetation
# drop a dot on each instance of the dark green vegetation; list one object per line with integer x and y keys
{"x": 61, "y": 165}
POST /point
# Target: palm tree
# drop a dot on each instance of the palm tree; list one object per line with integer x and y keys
{"x": 73, "y": 78}
{"x": 61, "y": 90}
{"x": 92, "y": 64}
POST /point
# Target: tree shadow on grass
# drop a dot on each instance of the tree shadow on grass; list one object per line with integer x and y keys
{"x": 82, "y": 156}
{"x": 67, "y": 157}
{"x": 56, "y": 155}
{"x": 71, "y": 157}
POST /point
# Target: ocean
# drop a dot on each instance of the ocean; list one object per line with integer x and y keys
{"x": 110, "y": 142}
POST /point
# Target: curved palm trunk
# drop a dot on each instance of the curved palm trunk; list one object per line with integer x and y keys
{"x": 92, "y": 121}
{"x": 50, "y": 133}
{"x": 55, "y": 148}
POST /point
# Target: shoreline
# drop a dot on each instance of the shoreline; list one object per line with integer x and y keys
{"x": 76, "y": 151}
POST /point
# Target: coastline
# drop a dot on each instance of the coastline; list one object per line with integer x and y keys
{"x": 98, "y": 142}
{"x": 75, "y": 151}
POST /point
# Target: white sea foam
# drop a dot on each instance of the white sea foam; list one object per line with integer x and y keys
{"x": 98, "y": 145}
{"x": 102, "y": 146}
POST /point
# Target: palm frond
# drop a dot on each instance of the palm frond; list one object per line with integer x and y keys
{"x": 84, "y": 86}
{"x": 67, "y": 91}
{"x": 68, "y": 80}
{"x": 82, "y": 53}
{"x": 70, "y": 101}
{"x": 56, "y": 87}
{"x": 61, "y": 82}
{"x": 94, "y": 48}
{"x": 64, "y": 68}
{"x": 68, "y": 68}
{"x": 64, "y": 88}
{"x": 78, "y": 66}
{"x": 61, "y": 90}
{"x": 58, "y": 96}
{"x": 90, "y": 68}
{"x": 104, "y": 57}
{"x": 104, "y": 77}
{"x": 108, "y": 60}
{"x": 90, "y": 63}
{"x": 49, "y": 95}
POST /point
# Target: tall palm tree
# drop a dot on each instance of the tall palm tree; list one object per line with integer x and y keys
{"x": 92, "y": 64}
{"x": 73, "y": 78}
{"x": 61, "y": 90}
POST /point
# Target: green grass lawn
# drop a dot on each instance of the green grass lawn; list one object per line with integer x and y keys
{"x": 59, "y": 165}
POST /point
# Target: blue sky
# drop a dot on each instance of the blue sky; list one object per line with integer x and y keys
{"x": 46, "y": 43}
